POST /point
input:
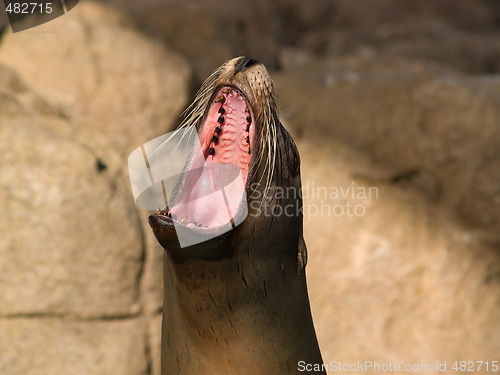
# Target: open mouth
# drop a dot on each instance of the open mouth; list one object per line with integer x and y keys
{"x": 211, "y": 195}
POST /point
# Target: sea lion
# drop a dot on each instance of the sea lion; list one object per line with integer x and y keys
{"x": 238, "y": 303}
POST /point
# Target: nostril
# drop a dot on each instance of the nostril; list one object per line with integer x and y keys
{"x": 245, "y": 63}
{"x": 250, "y": 62}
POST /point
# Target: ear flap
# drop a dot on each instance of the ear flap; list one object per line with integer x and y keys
{"x": 301, "y": 256}
{"x": 293, "y": 159}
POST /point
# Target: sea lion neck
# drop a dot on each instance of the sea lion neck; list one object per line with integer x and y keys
{"x": 248, "y": 314}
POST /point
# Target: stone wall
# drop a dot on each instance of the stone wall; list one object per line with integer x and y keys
{"x": 80, "y": 274}
{"x": 398, "y": 97}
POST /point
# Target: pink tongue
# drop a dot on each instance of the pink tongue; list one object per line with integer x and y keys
{"x": 214, "y": 192}
{"x": 213, "y": 197}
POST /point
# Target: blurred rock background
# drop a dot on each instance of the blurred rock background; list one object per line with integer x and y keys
{"x": 401, "y": 96}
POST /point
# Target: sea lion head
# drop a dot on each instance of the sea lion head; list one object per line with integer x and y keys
{"x": 236, "y": 116}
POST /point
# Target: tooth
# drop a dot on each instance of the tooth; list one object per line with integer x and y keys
{"x": 183, "y": 219}
{"x": 222, "y": 110}
{"x": 248, "y": 139}
{"x": 247, "y": 110}
{"x": 249, "y": 152}
{"x": 211, "y": 151}
{"x": 218, "y": 129}
{"x": 215, "y": 139}
{"x": 220, "y": 120}
{"x": 226, "y": 91}
{"x": 248, "y": 128}
{"x": 220, "y": 99}
{"x": 249, "y": 119}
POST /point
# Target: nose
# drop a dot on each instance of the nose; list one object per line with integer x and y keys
{"x": 245, "y": 62}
